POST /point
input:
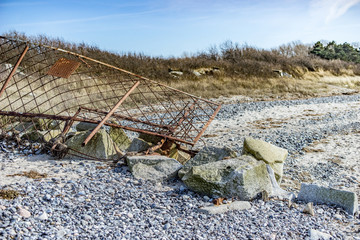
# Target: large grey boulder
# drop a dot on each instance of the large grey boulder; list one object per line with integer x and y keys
{"x": 101, "y": 145}
{"x": 270, "y": 154}
{"x": 85, "y": 126}
{"x": 139, "y": 145}
{"x": 150, "y": 138}
{"x": 318, "y": 194}
{"x": 48, "y": 135}
{"x": 153, "y": 167}
{"x": 242, "y": 177}
{"x": 207, "y": 155}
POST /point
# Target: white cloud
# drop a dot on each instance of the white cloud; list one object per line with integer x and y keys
{"x": 330, "y": 10}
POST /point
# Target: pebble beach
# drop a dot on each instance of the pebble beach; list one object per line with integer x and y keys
{"x": 82, "y": 199}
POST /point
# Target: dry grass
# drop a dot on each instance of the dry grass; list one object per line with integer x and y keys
{"x": 30, "y": 174}
{"x": 269, "y": 123}
{"x": 241, "y": 69}
{"x": 312, "y": 150}
{"x": 8, "y": 194}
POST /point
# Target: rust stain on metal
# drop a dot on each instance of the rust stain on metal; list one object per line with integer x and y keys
{"x": 34, "y": 106}
{"x": 63, "y": 68}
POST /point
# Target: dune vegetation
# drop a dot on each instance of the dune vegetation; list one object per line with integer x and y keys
{"x": 292, "y": 70}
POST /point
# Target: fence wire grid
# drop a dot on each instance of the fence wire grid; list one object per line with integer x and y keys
{"x": 45, "y": 90}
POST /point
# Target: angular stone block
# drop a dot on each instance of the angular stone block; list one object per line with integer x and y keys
{"x": 207, "y": 155}
{"x": 153, "y": 167}
{"x": 100, "y": 146}
{"x": 120, "y": 138}
{"x": 139, "y": 145}
{"x": 270, "y": 154}
{"x": 242, "y": 177}
{"x": 264, "y": 151}
{"x": 317, "y": 194}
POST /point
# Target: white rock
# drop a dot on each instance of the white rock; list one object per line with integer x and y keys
{"x": 237, "y": 205}
{"x": 276, "y": 190}
{"x": 309, "y": 209}
{"x": 317, "y": 235}
{"x": 337, "y": 216}
{"x": 24, "y": 213}
{"x": 43, "y": 216}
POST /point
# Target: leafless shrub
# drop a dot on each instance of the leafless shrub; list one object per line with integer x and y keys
{"x": 233, "y": 60}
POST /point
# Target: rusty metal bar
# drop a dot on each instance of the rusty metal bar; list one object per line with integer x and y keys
{"x": 70, "y": 122}
{"x": 14, "y": 70}
{"x": 110, "y": 113}
{"x": 207, "y": 124}
{"x": 129, "y": 118}
{"x": 184, "y": 116}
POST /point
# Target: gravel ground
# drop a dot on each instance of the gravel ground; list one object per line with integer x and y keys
{"x": 89, "y": 200}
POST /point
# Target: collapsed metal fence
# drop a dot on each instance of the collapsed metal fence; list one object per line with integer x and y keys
{"x": 45, "y": 89}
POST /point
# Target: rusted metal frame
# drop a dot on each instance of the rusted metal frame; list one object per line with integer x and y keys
{"x": 99, "y": 92}
{"x": 169, "y": 96}
{"x": 149, "y": 104}
{"x": 161, "y": 102}
{"x": 64, "y": 118}
{"x": 128, "y": 118}
{"x": 207, "y": 124}
{"x": 122, "y": 70}
{"x": 156, "y": 97}
{"x": 9, "y": 50}
{"x": 5, "y": 42}
{"x": 185, "y": 115}
{"x": 14, "y": 70}
{"x": 32, "y": 91}
{"x": 61, "y": 93}
{"x": 175, "y": 104}
{"x": 186, "y": 130}
{"x": 139, "y": 108}
{"x": 156, "y": 147}
{"x": 136, "y": 104}
{"x": 110, "y": 113}
{"x": 70, "y": 122}
{"x": 19, "y": 89}
{"x": 29, "y": 74}
{"x": 116, "y": 75}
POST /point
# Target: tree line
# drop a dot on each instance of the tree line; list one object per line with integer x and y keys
{"x": 342, "y": 51}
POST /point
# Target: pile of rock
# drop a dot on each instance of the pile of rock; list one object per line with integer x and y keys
{"x": 221, "y": 173}
{"x": 214, "y": 172}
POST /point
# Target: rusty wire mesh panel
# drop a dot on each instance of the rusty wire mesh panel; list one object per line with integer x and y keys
{"x": 44, "y": 88}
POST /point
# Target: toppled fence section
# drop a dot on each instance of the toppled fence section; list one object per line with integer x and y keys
{"x": 46, "y": 91}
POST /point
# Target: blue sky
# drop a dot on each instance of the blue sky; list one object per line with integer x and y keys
{"x": 170, "y": 28}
